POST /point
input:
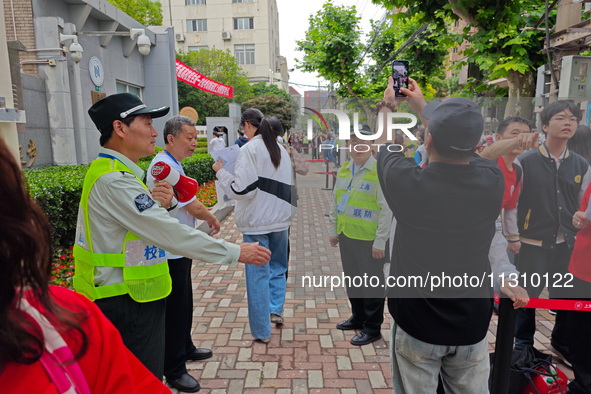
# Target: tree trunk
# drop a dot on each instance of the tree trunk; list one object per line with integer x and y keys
{"x": 463, "y": 14}
{"x": 522, "y": 88}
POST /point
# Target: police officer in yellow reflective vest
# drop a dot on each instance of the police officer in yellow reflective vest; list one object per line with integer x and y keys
{"x": 122, "y": 232}
{"x": 360, "y": 222}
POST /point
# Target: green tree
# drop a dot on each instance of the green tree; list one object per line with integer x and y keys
{"x": 261, "y": 88}
{"x": 146, "y": 12}
{"x": 498, "y": 43}
{"x": 272, "y": 105}
{"x": 221, "y": 67}
{"x": 332, "y": 48}
{"x": 426, "y": 52}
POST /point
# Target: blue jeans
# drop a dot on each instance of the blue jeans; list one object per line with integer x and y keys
{"x": 416, "y": 365}
{"x": 265, "y": 285}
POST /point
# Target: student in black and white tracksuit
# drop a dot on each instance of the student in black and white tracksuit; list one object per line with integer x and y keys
{"x": 265, "y": 204}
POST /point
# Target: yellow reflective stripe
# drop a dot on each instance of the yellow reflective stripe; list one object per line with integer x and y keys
{"x": 143, "y": 272}
{"x": 361, "y": 233}
{"x": 96, "y": 292}
{"x": 99, "y": 259}
{"x": 111, "y": 290}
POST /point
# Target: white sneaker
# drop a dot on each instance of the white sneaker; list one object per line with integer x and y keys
{"x": 277, "y": 319}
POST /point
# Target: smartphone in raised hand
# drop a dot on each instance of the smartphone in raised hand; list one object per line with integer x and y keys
{"x": 400, "y": 74}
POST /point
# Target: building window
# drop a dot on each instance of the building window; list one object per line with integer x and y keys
{"x": 196, "y": 25}
{"x": 195, "y": 2}
{"x": 241, "y": 1}
{"x": 457, "y": 24}
{"x": 244, "y": 54}
{"x": 123, "y": 87}
{"x": 197, "y": 48}
{"x": 455, "y": 49}
{"x": 243, "y": 23}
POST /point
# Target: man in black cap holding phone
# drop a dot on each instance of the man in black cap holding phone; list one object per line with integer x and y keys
{"x": 445, "y": 216}
{"x": 122, "y": 233}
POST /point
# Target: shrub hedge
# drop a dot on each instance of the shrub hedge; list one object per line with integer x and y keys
{"x": 57, "y": 189}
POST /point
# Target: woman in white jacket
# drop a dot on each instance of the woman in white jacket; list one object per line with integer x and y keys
{"x": 265, "y": 204}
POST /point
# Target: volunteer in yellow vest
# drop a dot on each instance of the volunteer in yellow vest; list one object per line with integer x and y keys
{"x": 122, "y": 232}
{"x": 360, "y": 224}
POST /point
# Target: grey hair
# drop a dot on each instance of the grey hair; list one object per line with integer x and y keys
{"x": 174, "y": 126}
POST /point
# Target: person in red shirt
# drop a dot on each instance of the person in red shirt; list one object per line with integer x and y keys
{"x": 579, "y": 322}
{"x": 510, "y": 128}
{"x": 53, "y": 340}
{"x": 580, "y": 265}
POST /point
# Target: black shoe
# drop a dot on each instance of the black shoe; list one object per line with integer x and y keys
{"x": 199, "y": 354}
{"x": 364, "y": 339}
{"x": 348, "y": 325}
{"x": 185, "y": 383}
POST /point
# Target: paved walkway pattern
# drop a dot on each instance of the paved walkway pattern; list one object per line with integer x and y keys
{"x": 307, "y": 354}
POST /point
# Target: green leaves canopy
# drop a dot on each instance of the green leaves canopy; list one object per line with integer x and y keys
{"x": 332, "y": 47}
{"x": 146, "y": 12}
{"x": 498, "y": 42}
{"x": 272, "y": 105}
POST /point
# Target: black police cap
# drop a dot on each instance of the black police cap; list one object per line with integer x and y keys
{"x": 118, "y": 107}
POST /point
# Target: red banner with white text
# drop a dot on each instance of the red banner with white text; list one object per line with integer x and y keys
{"x": 193, "y": 78}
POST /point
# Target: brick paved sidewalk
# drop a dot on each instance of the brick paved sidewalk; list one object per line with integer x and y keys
{"x": 307, "y": 354}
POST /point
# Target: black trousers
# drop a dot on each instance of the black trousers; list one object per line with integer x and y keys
{"x": 535, "y": 260}
{"x": 579, "y": 345}
{"x": 179, "y": 319}
{"x": 367, "y": 302}
{"x": 141, "y": 326}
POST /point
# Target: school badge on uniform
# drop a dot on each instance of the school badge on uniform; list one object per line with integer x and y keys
{"x": 143, "y": 202}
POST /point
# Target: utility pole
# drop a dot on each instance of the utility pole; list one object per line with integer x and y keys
{"x": 568, "y": 15}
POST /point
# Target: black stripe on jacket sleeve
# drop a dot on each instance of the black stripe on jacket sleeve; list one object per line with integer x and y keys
{"x": 280, "y": 190}
{"x": 248, "y": 189}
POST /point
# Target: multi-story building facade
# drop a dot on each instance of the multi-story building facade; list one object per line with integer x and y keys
{"x": 55, "y": 82}
{"x": 248, "y": 28}
{"x": 316, "y": 99}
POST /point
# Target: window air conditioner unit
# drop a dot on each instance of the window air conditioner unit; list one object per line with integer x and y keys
{"x": 226, "y": 35}
{"x": 180, "y": 37}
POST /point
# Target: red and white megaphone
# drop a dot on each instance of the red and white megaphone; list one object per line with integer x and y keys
{"x": 186, "y": 187}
